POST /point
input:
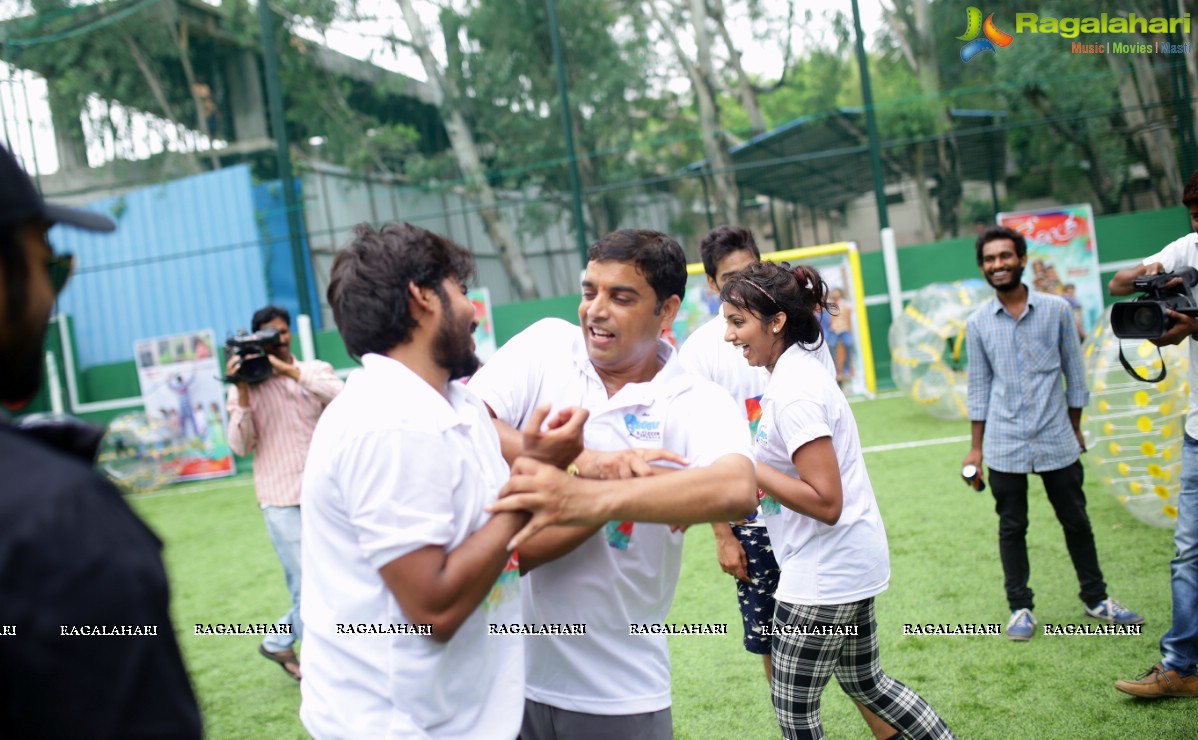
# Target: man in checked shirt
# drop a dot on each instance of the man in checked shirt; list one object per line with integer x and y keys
{"x": 274, "y": 419}
{"x": 1019, "y": 345}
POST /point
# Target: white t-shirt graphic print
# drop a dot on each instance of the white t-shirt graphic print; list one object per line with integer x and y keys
{"x": 626, "y": 573}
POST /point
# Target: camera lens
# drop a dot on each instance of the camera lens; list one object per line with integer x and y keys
{"x": 1145, "y": 317}
{"x": 256, "y": 369}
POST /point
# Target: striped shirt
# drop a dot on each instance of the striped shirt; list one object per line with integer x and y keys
{"x": 277, "y": 427}
{"x": 1015, "y": 369}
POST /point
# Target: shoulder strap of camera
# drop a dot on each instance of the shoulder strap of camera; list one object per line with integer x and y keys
{"x": 1132, "y": 371}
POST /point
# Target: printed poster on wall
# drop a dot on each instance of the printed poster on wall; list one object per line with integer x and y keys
{"x": 180, "y": 377}
{"x": 1062, "y": 257}
{"x": 484, "y": 335}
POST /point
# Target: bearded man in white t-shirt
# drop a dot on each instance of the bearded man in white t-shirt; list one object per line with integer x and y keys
{"x": 617, "y": 575}
{"x": 405, "y": 570}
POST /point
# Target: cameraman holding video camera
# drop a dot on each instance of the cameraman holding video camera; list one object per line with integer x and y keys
{"x": 1175, "y": 674}
{"x": 274, "y": 418}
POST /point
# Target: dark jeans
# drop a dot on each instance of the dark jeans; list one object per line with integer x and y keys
{"x": 1064, "y": 488}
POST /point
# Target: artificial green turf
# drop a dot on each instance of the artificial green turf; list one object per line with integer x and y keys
{"x": 223, "y": 570}
{"x": 945, "y": 569}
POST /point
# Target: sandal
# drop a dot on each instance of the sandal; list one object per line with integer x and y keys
{"x": 285, "y": 658}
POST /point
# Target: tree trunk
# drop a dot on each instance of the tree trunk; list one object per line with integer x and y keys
{"x": 1191, "y": 74}
{"x": 156, "y": 90}
{"x": 1141, "y": 98}
{"x": 722, "y": 173}
{"x": 1101, "y": 183}
{"x": 948, "y": 186}
{"x": 919, "y": 175}
{"x": 947, "y": 175}
{"x": 748, "y": 96}
{"x": 179, "y": 36}
{"x": 68, "y": 132}
{"x": 917, "y": 42}
{"x": 719, "y": 164}
{"x": 461, "y": 140}
{"x": 601, "y": 221}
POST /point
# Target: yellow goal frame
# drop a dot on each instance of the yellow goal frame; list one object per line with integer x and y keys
{"x": 858, "y": 294}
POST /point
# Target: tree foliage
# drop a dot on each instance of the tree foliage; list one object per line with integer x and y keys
{"x": 509, "y": 70}
{"x": 136, "y": 60}
{"x": 1079, "y": 125}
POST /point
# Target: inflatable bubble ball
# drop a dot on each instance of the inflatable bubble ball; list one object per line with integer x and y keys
{"x": 927, "y": 346}
{"x": 1133, "y": 428}
{"x": 139, "y": 454}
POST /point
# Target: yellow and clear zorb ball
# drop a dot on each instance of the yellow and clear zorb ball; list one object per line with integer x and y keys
{"x": 139, "y": 453}
{"x": 927, "y": 346}
{"x": 1134, "y": 429}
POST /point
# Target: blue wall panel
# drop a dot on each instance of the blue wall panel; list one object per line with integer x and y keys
{"x": 185, "y": 256}
{"x": 276, "y": 250}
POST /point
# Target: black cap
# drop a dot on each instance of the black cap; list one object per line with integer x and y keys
{"x": 20, "y": 201}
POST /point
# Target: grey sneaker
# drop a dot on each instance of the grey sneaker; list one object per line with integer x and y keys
{"x": 1021, "y": 626}
{"x": 1114, "y": 612}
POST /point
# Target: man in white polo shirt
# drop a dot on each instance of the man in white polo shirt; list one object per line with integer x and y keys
{"x": 617, "y": 577}
{"x": 404, "y": 567}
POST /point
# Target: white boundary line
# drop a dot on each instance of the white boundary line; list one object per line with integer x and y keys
{"x": 184, "y": 490}
{"x": 205, "y": 487}
{"x": 878, "y": 396}
{"x": 918, "y": 443}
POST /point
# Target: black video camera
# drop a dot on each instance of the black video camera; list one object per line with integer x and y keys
{"x": 1147, "y": 316}
{"x": 252, "y": 349}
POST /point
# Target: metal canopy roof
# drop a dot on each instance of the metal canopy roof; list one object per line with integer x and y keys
{"x": 822, "y": 160}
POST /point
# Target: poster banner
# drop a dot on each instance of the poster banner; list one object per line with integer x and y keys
{"x": 484, "y": 335}
{"x": 843, "y": 332}
{"x": 1062, "y": 257}
{"x": 180, "y": 377}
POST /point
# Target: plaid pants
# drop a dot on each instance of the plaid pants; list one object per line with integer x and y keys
{"x": 803, "y": 663}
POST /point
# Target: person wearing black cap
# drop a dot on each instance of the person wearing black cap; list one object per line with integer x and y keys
{"x": 87, "y": 648}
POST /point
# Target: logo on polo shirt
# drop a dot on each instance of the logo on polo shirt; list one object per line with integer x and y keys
{"x": 753, "y": 411}
{"x": 643, "y": 429}
{"x": 768, "y": 504}
{"x": 618, "y": 534}
{"x": 507, "y": 586}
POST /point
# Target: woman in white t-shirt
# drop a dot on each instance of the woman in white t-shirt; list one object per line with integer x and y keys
{"x": 828, "y": 539}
